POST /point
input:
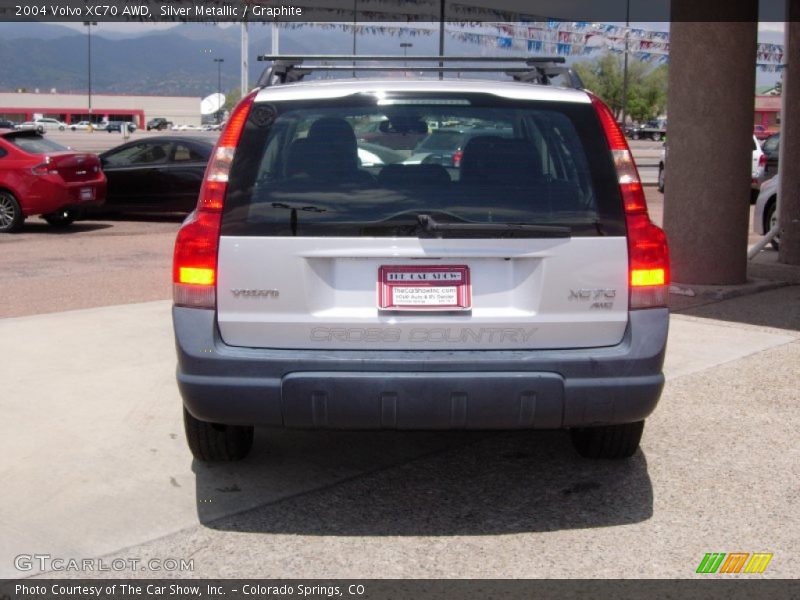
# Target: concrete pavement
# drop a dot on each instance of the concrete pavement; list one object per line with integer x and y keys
{"x": 95, "y": 465}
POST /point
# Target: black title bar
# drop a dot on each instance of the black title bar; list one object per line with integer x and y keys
{"x": 733, "y": 588}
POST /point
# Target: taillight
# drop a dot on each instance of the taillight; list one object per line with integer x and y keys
{"x": 457, "y": 156}
{"x": 45, "y": 168}
{"x": 762, "y": 160}
{"x": 648, "y": 252}
{"x": 194, "y": 266}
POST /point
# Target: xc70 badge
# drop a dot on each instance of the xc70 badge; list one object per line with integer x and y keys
{"x": 601, "y": 298}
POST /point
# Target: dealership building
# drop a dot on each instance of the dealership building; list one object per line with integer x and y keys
{"x": 71, "y": 108}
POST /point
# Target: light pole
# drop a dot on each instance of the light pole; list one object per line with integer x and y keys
{"x": 625, "y": 67}
{"x": 89, "y": 25}
{"x": 355, "y": 21}
{"x": 405, "y": 46}
{"x": 219, "y": 62}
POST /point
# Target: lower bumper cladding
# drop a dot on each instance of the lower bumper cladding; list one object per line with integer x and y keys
{"x": 514, "y": 389}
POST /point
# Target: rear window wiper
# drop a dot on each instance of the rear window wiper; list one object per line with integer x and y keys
{"x": 430, "y": 225}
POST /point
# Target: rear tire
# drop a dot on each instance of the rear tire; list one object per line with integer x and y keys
{"x": 11, "y": 217}
{"x": 60, "y": 219}
{"x": 656, "y": 137}
{"x": 213, "y": 442}
{"x": 635, "y": 135}
{"x": 608, "y": 441}
{"x": 661, "y": 178}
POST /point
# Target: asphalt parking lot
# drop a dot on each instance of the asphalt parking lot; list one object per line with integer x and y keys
{"x": 96, "y": 465}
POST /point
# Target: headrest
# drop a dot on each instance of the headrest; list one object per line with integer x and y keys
{"x": 332, "y": 129}
{"x": 500, "y": 161}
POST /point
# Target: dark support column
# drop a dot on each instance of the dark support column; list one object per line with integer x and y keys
{"x": 789, "y": 217}
{"x": 710, "y": 137}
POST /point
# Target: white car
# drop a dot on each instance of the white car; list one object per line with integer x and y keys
{"x": 522, "y": 288}
{"x": 759, "y": 167}
{"x": 44, "y": 124}
{"x": 757, "y": 172}
{"x": 81, "y": 126}
{"x": 765, "y": 215}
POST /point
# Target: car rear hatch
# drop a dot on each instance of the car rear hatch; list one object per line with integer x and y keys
{"x": 523, "y": 246}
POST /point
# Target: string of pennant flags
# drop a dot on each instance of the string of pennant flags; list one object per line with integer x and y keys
{"x": 491, "y": 28}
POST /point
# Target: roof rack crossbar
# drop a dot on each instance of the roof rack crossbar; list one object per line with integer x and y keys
{"x": 383, "y": 57}
{"x": 417, "y": 69}
{"x": 527, "y": 69}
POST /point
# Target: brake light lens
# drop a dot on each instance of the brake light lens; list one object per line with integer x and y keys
{"x": 762, "y": 160}
{"x": 45, "y": 168}
{"x": 457, "y": 156}
{"x": 648, "y": 251}
{"x": 194, "y": 265}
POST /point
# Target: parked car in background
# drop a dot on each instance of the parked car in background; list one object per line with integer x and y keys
{"x": 40, "y": 177}
{"x": 44, "y": 124}
{"x": 757, "y": 173}
{"x": 118, "y": 125}
{"x": 159, "y": 124}
{"x": 7, "y": 125}
{"x": 765, "y": 215}
{"x": 397, "y": 134}
{"x": 155, "y": 174}
{"x": 445, "y": 146}
{"x": 375, "y": 154}
{"x": 654, "y": 130}
{"x": 771, "y": 148}
{"x": 80, "y": 126}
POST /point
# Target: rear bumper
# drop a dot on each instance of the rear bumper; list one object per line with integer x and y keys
{"x": 499, "y": 389}
{"x": 50, "y": 195}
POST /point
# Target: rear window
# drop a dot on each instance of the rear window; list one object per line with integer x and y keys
{"x": 36, "y": 144}
{"x": 302, "y": 169}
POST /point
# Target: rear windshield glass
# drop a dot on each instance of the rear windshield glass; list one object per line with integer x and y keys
{"x": 368, "y": 165}
{"x": 36, "y": 144}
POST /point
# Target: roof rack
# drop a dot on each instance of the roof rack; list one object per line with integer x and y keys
{"x": 289, "y": 68}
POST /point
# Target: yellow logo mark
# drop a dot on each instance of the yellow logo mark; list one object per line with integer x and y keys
{"x": 758, "y": 562}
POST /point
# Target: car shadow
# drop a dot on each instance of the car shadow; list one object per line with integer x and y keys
{"x": 136, "y": 218}
{"x": 778, "y": 308}
{"x": 411, "y": 484}
{"x": 74, "y": 228}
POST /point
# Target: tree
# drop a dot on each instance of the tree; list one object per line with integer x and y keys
{"x": 647, "y": 87}
{"x": 232, "y": 99}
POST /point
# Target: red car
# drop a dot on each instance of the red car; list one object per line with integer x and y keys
{"x": 41, "y": 177}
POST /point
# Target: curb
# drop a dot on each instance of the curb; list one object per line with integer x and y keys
{"x": 690, "y": 296}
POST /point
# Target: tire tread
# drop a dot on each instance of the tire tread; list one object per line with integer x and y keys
{"x": 211, "y": 442}
{"x": 608, "y": 441}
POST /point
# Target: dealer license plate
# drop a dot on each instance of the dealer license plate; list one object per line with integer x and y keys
{"x": 439, "y": 287}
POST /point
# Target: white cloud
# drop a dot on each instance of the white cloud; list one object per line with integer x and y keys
{"x": 770, "y": 27}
